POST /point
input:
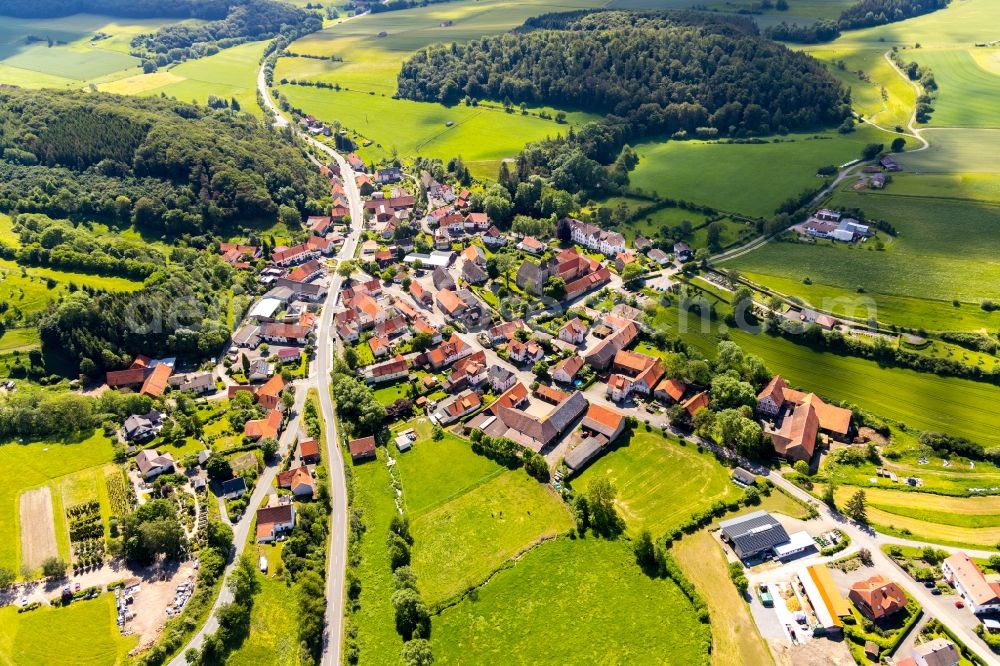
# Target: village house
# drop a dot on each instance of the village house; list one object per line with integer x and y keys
{"x": 877, "y": 597}
{"x": 525, "y": 352}
{"x": 683, "y": 252}
{"x": 309, "y": 452}
{"x": 290, "y": 256}
{"x": 969, "y": 582}
{"x": 397, "y": 368}
{"x": 695, "y": 402}
{"x": 274, "y": 521}
{"x": 532, "y": 245}
{"x": 448, "y": 352}
{"x": 623, "y": 259}
{"x": 233, "y": 488}
{"x": 566, "y": 370}
{"x": 267, "y": 427}
{"x": 608, "y": 243}
{"x": 936, "y": 652}
{"x": 473, "y": 274}
{"x": 151, "y": 463}
{"x": 507, "y": 331}
{"x": 420, "y": 295}
{"x": 299, "y": 481}
{"x": 362, "y": 449}
{"x": 600, "y": 357}
{"x": 138, "y": 428}
{"x": 504, "y": 418}
{"x": 284, "y": 333}
{"x": 459, "y": 406}
{"x": 573, "y": 331}
{"x": 303, "y": 291}
{"x": 633, "y": 373}
{"x": 388, "y": 175}
{"x": 794, "y": 419}
{"x": 670, "y": 390}
{"x": 500, "y": 378}
{"x": 659, "y": 256}
{"x": 468, "y": 372}
{"x": 198, "y": 383}
{"x": 492, "y": 237}
{"x": 442, "y": 279}
{"x": 601, "y": 425}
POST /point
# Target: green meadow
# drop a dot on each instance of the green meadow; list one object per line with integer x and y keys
{"x": 81, "y": 633}
{"x": 230, "y": 73}
{"x": 370, "y": 63}
{"x": 751, "y": 179}
{"x": 573, "y": 601}
{"x": 273, "y": 636}
{"x": 377, "y": 639}
{"x": 960, "y": 25}
{"x": 967, "y": 93}
{"x": 923, "y": 401}
{"x": 451, "y": 493}
{"x": 878, "y": 92}
{"x": 659, "y": 481}
{"x": 27, "y": 466}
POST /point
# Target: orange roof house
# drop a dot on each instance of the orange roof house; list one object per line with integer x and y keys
{"x": 263, "y": 428}
{"x": 269, "y": 393}
{"x": 604, "y": 420}
{"x": 362, "y": 448}
{"x": 309, "y": 451}
{"x": 670, "y": 388}
{"x": 156, "y": 382}
{"x": 777, "y": 395}
{"x": 877, "y": 597}
{"x": 696, "y": 402}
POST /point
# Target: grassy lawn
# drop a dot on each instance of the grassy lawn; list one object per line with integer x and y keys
{"x": 956, "y": 151}
{"x": 660, "y": 483}
{"x": 27, "y": 466}
{"x": 735, "y": 639}
{"x": 273, "y": 637}
{"x": 377, "y": 639}
{"x": 573, "y": 602}
{"x": 967, "y": 93}
{"x": 391, "y": 393}
{"x": 882, "y": 96}
{"x": 434, "y": 472}
{"x": 82, "y": 633}
{"x": 729, "y": 177}
{"x": 458, "y": 543}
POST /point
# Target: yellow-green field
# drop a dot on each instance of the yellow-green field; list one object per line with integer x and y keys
{"x": 956, "y": 521}
{"x": 967, "y": 94}
{"x": 368, "y": 71}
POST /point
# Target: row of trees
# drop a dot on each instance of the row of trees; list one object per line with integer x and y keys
{"x": 863, "y": 14}
{"x": 180, "y": 9}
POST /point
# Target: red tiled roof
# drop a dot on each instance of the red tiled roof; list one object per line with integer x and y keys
{"x": 363, "y": 447}
{"x": 130, "y": 377}
{"x": 156, "y": 382}
{"x": 696, "y": 402}
{"x": 309, "y": 447}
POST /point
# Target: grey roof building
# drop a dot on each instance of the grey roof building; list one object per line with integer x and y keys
{"x": 754, "y": 534}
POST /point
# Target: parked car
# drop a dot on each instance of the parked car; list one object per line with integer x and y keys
{"x": 936, "y": 591}
{"x": 765, "y": 597}
{"x": 959, "y": 603}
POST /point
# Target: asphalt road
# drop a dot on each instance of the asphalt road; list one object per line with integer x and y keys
{"x": 337, "y": 556}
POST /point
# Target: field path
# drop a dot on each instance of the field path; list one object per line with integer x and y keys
{"x": 38, "y": 532}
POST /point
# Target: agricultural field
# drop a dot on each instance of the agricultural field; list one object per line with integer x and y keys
{"x": 230, "y": 73}
{"x": 377, "y": 639}
{"x": 878, "y": 92}
{"x": 946, "y": 249}
{"x": 367, "y": 73}
{"x": 733, "y": 178}
{"x": 566, "y": 588}
{"x": 966, "y": 95}
{"x": 735, "y": 639}
{"x": 75, "y": 57}
{"x": 956, "y": 151}
{"x": 37, "y": 464}
{"x": 953, "y": 521}
{"x": 960, "y": 25}
{"x": 659, "y": 481}
{"x": 923, "y": 401}
{"x": 82, "y": 633}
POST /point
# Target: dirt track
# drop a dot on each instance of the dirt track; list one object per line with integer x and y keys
{"x": 38, "y": 533}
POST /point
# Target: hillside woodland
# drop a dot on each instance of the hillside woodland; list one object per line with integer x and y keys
{"x": 163, "y": 165}
{"x": 181, "y": 9}
{"x": 680, "y": 74}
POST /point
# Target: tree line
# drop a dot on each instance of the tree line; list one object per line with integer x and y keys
{"x": 180, "y": 9}
{"x": 863, "y": 14}
{"x": 162, "y": 165}
{"x": 246, "y": 21}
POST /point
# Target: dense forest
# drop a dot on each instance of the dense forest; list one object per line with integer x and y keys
{"x": 182, "y": 311}
{"x": 661, "y": 76}
{"x": 162, "y": 165}
{"x": 247, "y": 20}
{"x": 181, "y": 9}
{"x": 676, "y": 73}
{"x": 864, "y": 14}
